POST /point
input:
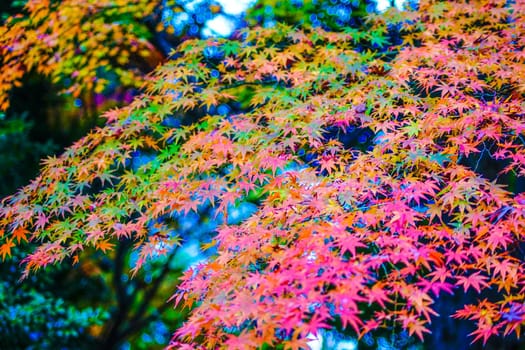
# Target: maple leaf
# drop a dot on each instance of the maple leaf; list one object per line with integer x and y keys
{"x": 378, "y": 294}
{"x": 20, "y": 234}
{"x": 104, "y": 245}
{"x": 328, "y": 164}
{"x": 474, "y": 280}
{"x": 349, "y": 244}
{"x": 485, "y": 331}
{"x": 414, "y": 325}
{"x": 5, "y": 249}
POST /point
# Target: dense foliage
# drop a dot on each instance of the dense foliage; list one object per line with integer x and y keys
{"x": 351, "y": 233}
{"x": 46, "y": 313}
{"x": 94, "y": 46}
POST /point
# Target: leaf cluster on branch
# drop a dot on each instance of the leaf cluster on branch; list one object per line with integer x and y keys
{"x": 347, "y": 237}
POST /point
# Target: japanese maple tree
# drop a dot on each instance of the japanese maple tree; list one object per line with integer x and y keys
{"x": 345, "y": 237}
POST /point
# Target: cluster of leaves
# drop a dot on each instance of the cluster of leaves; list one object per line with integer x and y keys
{"x": 135, "y": 307}
{"x": 74, "y": 40}
{"x": 88, "y": 46}
{"x": 347, "y": 237}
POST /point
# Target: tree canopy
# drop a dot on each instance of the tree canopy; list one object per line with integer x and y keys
{"x": 361, "y": 149}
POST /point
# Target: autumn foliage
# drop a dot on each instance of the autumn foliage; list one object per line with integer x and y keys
{"x": 80, "y": 44}
{"x": 346, "y": 236}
